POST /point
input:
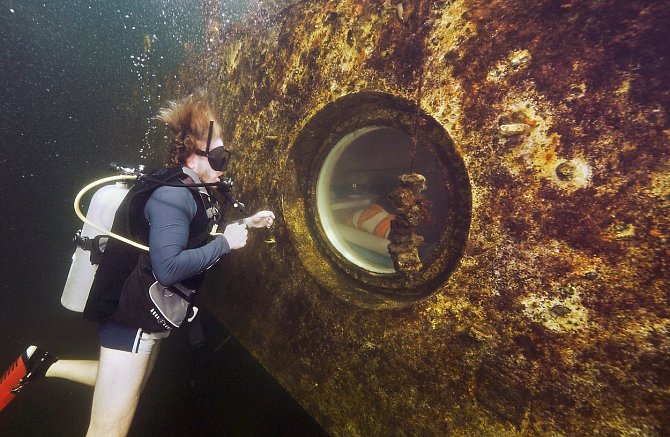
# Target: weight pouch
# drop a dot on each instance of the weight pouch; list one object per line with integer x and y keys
{"x": 147, "y": 304}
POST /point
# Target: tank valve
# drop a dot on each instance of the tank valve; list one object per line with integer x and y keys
{"x": 139, "y": 171}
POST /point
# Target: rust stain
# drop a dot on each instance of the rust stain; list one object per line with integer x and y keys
{"x": 556, "y": 319}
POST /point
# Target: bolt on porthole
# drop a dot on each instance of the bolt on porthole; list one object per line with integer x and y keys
{"x": 355, "y": 203}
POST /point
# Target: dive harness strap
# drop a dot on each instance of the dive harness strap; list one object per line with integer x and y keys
{"x": 94, "y": 245}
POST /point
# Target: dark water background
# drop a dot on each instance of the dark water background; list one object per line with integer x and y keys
{"x": 79, "y": 83}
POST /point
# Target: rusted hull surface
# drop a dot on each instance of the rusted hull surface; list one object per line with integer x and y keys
{"x": 556, "y": 319}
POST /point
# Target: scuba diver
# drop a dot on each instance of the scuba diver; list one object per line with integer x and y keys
{"x": 170, "y": 211}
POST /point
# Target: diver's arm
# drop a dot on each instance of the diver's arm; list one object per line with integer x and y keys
{"x": 169, "y": 211}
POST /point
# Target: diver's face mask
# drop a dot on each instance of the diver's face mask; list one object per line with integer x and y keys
{"x": 218, "y": 157}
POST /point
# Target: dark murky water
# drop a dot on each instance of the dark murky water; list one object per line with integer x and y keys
{"x": 79, "y": 83}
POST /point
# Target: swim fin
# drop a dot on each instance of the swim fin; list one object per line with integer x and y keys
{"x": 30, "y": 365}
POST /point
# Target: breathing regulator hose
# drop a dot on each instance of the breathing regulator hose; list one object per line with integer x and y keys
{"x": 77, "y": 209}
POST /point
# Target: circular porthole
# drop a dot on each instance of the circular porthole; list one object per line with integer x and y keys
{"x": 352, "y": 195}
{"x": 346, "y": 162}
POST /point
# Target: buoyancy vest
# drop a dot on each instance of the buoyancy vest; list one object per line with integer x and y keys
{"x": 120, "y": 259}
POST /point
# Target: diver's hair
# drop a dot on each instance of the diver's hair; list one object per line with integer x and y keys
{"x": 188, "y": 118}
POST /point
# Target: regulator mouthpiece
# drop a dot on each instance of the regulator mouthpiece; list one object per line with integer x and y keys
{"x": 224, "y": 186}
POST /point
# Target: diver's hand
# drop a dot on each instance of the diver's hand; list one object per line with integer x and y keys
{"x": 262, "y": 219}
{"x": 236, "y": 234}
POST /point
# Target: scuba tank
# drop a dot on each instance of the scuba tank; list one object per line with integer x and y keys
{"x": 90, "y": 245}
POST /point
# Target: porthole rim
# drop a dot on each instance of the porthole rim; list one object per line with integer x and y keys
{"x": 344, "y": 278}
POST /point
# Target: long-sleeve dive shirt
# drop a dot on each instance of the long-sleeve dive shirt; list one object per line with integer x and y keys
{"x": 169, "y": 212}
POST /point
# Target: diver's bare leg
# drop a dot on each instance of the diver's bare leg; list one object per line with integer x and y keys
{"x": 152, "y": 363}
{"x": 117, "y": 391}
{"x": 82, "y": 371}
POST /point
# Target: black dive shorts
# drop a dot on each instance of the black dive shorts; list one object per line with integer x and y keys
{"x": 121, "y": 337}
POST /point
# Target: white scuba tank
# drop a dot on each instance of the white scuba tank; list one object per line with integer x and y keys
{"x": 101, "y": 211}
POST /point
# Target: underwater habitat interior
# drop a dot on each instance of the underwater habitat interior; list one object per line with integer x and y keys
{"x": 472, "y": 201}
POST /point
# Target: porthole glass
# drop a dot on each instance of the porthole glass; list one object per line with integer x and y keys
{"x": 353, "y": 185}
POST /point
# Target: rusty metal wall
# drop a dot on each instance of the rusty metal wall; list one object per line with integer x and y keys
{"x": 555, "y": 319}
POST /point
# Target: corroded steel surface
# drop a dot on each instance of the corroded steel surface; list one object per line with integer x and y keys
{"x": 555, "y": 321}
